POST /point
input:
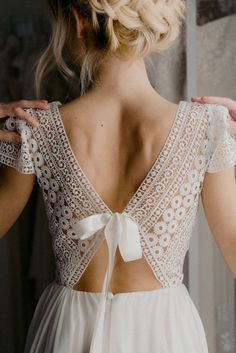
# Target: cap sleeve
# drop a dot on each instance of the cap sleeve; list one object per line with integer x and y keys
{"x": 222, "y": 143}
{"x": 15, "y": 155}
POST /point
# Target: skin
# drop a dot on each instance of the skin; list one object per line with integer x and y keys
{"x": 132, "y": 114}
{"x": 139, "y": 120}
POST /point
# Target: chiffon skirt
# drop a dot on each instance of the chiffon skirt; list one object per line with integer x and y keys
{"x": 158, "y": 321}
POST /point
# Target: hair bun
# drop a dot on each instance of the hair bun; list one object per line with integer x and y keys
{"x": 138, "y": 27}
{"x": 128, "y": 28}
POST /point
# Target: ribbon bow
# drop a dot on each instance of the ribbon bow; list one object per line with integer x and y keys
{"x": 120, "y": 231}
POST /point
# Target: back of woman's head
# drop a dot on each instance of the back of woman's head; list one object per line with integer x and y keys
{"x": 129, "y": 29}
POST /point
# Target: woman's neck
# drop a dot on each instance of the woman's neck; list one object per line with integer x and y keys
{"x": 127, "y": 81}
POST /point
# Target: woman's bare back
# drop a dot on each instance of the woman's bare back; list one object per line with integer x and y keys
{"x": 115, "y": 150}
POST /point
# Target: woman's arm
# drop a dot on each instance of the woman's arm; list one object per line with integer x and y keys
{"x": 219, "y": 197}
{"x": 15, "y": 187}
{"x": 15, "y": 191}
{"x": 219, "y": 203}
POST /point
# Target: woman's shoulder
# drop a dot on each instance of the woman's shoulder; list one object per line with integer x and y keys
{"x": 207, "y": 114}
{"x": 211, "y": 110}
{"x": 48, "y": 123}
{"x": 43, "y": 115}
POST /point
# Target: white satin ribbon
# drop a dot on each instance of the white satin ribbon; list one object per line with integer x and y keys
{"x": 120, "y": 231}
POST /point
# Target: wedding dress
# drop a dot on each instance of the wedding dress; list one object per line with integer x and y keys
{"x": 156, "y": 224}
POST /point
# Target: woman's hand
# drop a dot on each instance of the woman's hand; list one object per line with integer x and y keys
{"x": 15, "y": 109}
{"x": 227, "y": 102}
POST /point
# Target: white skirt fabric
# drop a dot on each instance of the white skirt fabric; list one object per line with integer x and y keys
{"x": 164, "y": 320}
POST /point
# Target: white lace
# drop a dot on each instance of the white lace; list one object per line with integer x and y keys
{"x": 164, "y": 206}
{"x": 222, "y": 146}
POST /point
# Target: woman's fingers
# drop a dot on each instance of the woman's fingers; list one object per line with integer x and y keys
{"x": 20, "y": 113}
{"x": 10, "y": 136}
{"x": 15, "y": 109}
{"x": 227, "y": 102}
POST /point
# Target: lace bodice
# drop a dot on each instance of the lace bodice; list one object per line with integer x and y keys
{"x": 163, "y": 209}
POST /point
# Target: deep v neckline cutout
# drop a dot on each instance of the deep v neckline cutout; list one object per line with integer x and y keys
{"x": 73, "y": 159}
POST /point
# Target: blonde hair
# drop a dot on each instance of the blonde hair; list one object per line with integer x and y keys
{"x": 129, "y": 29}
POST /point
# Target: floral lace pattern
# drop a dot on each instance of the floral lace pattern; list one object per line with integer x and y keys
{"x": 222, "y": 142}
{"x": 164, "y": 206}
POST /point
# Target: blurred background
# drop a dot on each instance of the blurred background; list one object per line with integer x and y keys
{"x": 202, "y": 61}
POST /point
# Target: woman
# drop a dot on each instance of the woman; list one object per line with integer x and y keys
{"x": 121, "y": 171}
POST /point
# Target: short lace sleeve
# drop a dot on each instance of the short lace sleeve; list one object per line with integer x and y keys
{"x": 16, "y": 155}
{"x": 222, "y": 143}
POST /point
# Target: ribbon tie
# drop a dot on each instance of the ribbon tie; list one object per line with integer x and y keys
{"x": 120, "y": 231}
